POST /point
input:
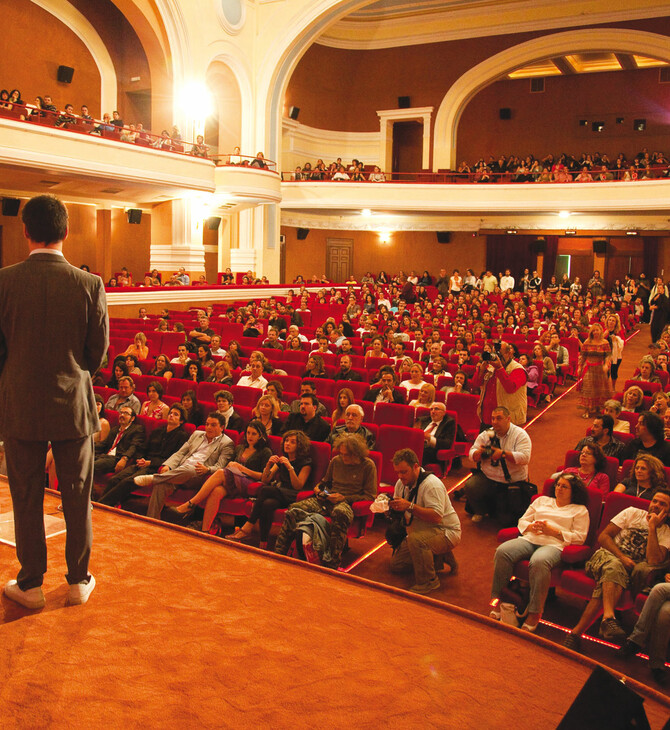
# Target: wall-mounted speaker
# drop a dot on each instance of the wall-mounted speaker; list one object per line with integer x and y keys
{"x": 505, "y": 112}
{"x": 600, "y": 246}
{"x": 303, "y": 233}
{"x": 10, "y": 206}
{"x": 134, "y": 215}
{"x": 293, "y": 112}
{"x": 213, "y": 223}
{"x": 443, "y": 236}
{"x": 539, "y": 245}
{"x": 65, "y": 74}
{"x": 403, "y": 102}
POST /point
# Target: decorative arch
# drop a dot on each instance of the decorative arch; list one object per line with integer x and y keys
{"x": 80, "y": 26}
{"x": 499, "y": 65}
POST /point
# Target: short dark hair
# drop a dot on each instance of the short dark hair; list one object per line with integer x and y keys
{"x": 223, "y": 393}
{"x": 311, "y": 383}
{"x": 218, "y": 416}
{"x": 406, "y": 455}
{"x": 180, "y": 409}
{"x": 159, "y": 388}
{"x": 608, "y": 422}
{"x": 312, "y": 399}
{"x": 45, "y": 219}
{"x": 277, "y": 386}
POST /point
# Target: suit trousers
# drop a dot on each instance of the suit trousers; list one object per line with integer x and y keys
{"x": 25, "y": 471}
{"x": 166, "y": 483}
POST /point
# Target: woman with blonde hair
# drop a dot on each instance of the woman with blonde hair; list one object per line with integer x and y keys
{"x": 646, "y": 476}
{"x": 594, "y": 362}
{"x": 633, "y": 400}
{"x": 266, "y": 411}
{"x": 139, "y": 347}
{"x": 221, "y": 373}
{"x": 426, "y": 396}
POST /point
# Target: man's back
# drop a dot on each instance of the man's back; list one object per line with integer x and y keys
{"x": 46, "y": 391}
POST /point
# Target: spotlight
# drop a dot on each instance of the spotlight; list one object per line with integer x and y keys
{"x": 366, "y": 212}
{"x": 563, "y": 213}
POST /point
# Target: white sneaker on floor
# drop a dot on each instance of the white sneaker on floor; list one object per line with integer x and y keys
{"x": 477, "y": 518}
{"x": 80, "y": 592}
{"x": 144, "y": 480}
{"x": 32, "y": 598}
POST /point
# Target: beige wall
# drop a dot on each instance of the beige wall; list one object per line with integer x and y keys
{"x": 131, "y": 244}
{"x": 407, "y": 250}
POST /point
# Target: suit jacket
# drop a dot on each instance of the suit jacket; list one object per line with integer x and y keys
{"x": 444, "y": 434}
{"x": 162, "y": 443}
{"x": 372, "y": 394}
{"x": 235, "y": 422}
{"x": 54, "y": 333}
{"x": 219, "y": 454}
{"x": 131, "y": 444}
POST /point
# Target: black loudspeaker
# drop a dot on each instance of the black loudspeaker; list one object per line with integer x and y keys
{"x": 134, "y": 215}
{"x": 605, "y": 702}
{"x": 293, "y": 112}
{"x": 443, "y": 236}
{"x": 303, "y": 233}
{"x": 600, "y": 246}
{"x": 505, "y": 112}
{"x": 213, "y": 223}
{"x": 403, "y": 102}
{"x": 539, "y": 245}
{"x": 10, "y": 206}
{"x": 65, "y": 74}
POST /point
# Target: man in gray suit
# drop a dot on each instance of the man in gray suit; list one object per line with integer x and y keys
{"x": 204, "y": 453}
{"x": 44, "y": 299}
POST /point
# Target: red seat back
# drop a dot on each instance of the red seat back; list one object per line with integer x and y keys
{"x": 465, "y": 405}
{"x": 393, "y": 438}
{"x": 394, "y": 414}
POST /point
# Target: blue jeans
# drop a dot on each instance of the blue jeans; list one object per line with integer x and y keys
{"x": 542, "y": 559}
{"x": 653, "y": 627}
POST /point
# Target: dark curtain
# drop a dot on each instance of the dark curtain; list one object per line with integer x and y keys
{"x": 549, "y": 268}
{"x": 509, "y": 252}
{"x": 650, "y": 247}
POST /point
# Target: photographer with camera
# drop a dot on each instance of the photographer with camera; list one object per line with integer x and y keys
{"x": 428, "y": 528}
{"x": 502, "y": 382}
{"x": 500, "y": 484}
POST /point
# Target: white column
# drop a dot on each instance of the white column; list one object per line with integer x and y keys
{"x": 185, "y": 231}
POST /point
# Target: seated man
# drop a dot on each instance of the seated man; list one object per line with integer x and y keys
{"x": 345, "y": 372}
{"x": 351, "y": 477}
{"x": 256, "y": 378}
{"x": 308, "y": 420}
{"x": 650, "y": 439}
{"x": 439, "y": 431}
{"x": 204, "y": 453}
{"x": 602, "y": 434}
{"x": 433, "y": 527}
{"x": 307, "y": 387}
{"x": 122, "y": 446}
{"x": 182, "y": 357}
{"x": 272, "y": 340}
{"x": 202, "y": 334}
{"x": 383, "y": 391}
{"x": 353, "y": 423}
{"x": 500, "y": 485}
{"x": 224, "y": 405}
{"x": 633, "y": 541}
{"x": 161, "y": 444}
{"x": 215, "y": 346}
{"x": 124, "y": 397}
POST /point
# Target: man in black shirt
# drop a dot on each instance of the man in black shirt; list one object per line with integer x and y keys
{"x": 650, "y": 439}
{"x": 345, "y": 372}
{"x": 601, "y": 433}
{"x": 307, "y": 421}
{"x": 202, "y": 334}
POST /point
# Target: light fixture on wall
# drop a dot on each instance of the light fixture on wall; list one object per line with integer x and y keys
{"x": 571, "y": 233}
{"x": 631, "y": 233}
{"x": 385, "y": 237}
{"x": 511, "y": 232}
{"x": 366, "y": 212}
{"x": 563, "y": 213}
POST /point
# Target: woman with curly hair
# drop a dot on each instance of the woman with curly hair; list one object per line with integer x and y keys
{"x": 193, "y": 371}
{"x": 646, "y": 477}
{"x": 162, "y": 367}
{"x": 315, "y": 367}
{"x": 591, "y": 469}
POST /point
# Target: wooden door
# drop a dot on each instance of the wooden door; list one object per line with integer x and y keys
{"x": 581, "y": 265}
{"x": 339, "y": 259}
{"x": 407, "y": 149}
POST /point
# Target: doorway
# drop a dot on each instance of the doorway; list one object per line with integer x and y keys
{"x": 407, "y": 150}
{"x": 339, "y": 259}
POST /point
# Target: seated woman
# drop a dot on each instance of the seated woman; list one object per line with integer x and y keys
{"x": 659, "y": 403}
{"x": 548, "y": 525}
{"x": 162, "y": 326}
{"x": 193, "y": 371}
{"x": 345, "y": 398}
{"x": 139, "y": 347}
{"x": 221, "y": 373}
{"x": 248, "y": 465}
{"x": 266, "y": 411}
{"x": 119, "y": 370}
{"x": 460, "y": 384}
{"x": 276, "y": 390}
{"x": 315, "y": 367}
{"x": 633, "y": 400}
{"x": 415, "y": 378}
{"x": 283, "y": 478}
{"x": 154, "y": 407}
{"x": 426, "y": 396}
{"x": 162, "y": 367}
{"x": 376, "y": 349}
{"x": 205, "y": 356}
{"x": 133, "y": 365}
{"x": 437, "y": 367}
{"x": 591, "y": 469}
{"x": 193, "y": 412}
{"x": 647, "y": 369}
{"x": 612, "y": 408}
{"x": 548, "y": 367}
{"x": 646, "y": 477}
{"x": 532, "y": 373}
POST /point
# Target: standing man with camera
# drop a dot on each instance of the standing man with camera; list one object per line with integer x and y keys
{"x": 502, "y": 381}
{"x": 500, "y": 484}
{"x": 431, "y": 524}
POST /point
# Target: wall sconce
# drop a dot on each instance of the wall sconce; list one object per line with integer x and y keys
{"x": 385, "y": 237}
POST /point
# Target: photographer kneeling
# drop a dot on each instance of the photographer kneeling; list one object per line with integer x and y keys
{"x": 431, "y": 524}
{"x": 500, "y": 485}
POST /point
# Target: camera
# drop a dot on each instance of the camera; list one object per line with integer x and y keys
{"x": 488, "y": 356}
{"x": 494, "y": 443}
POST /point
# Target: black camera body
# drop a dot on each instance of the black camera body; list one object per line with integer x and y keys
{"x": 488, "y": 356}
{"x": 487, "y": 451}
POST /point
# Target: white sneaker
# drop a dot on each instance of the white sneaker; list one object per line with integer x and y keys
{"x": 477, "y": 518}
{"x": 32, "y": 598}
{"x": 144, "y": 480}
{"x": 80, "y": 592}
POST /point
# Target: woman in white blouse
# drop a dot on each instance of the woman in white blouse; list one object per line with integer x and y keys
{"x": 548, "y": 525}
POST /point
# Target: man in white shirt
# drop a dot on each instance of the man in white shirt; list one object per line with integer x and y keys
{"x": 215, "y": 346}
{"x": 255, "y": 379}
{"x": 198, "y": 458}
{"x": 124, "y": 397}
{"x": 182, "y": 357}
{"x": 632, "y": 538}
{"x": 507, "y": 281}
{"x": 502, "y": 454}
{"x": 433, "y": 527}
